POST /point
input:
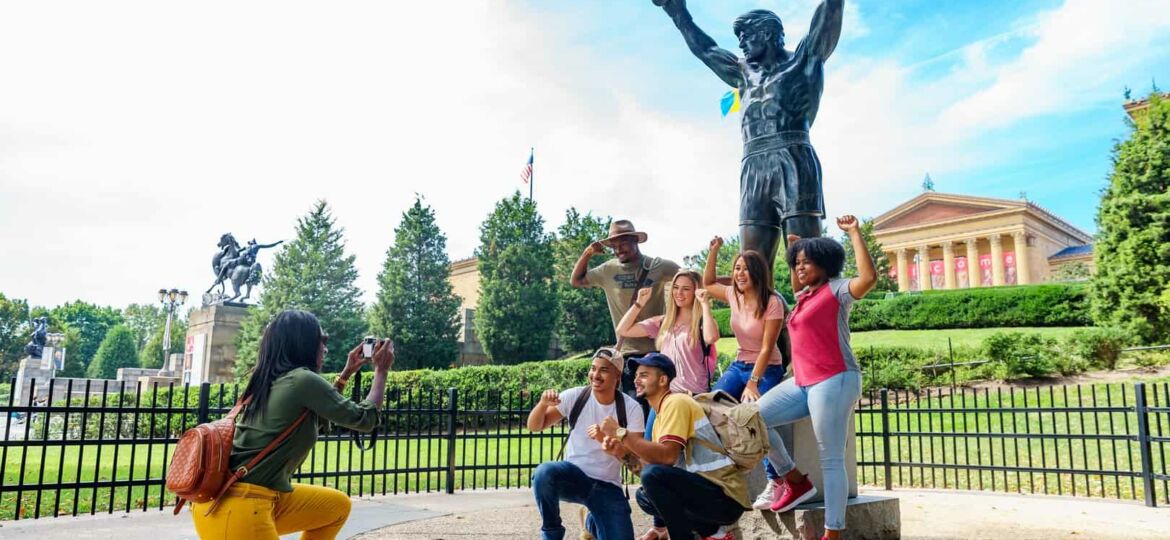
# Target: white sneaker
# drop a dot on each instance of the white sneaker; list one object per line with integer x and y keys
{"x": 767, "y": 496}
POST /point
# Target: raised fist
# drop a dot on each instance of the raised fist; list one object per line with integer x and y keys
{"x": 702, "y": 296}
{"x": 716, "y": 243}
{"x": 848, "y": 223}
{"x": 644, "y": 295}
{"x": 550, "y": 397}
{"x": 596, "y": 248}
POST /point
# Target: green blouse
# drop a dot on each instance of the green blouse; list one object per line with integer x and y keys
{"x": 291, "y": 394}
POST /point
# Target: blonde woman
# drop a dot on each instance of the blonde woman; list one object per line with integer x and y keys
{"x": 684, "y": 333}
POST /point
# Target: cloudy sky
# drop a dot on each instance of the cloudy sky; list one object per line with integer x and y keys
{"x": 133, "y": 134}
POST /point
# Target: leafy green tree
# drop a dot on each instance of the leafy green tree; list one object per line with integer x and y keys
{"x": 881, "y": 263}
{"x": 584, "y": 323}
{"x": 517, "y": 304}
{"x": 1133, "y": 242}
{"x": 91, "y": 322}
{"x": 144, "y": 320}
{"x": 152, "y": 354}
{"x": 14, "y": 334}
{"x": 116, "y": 351}
{"x": 312, "y": 273}
{"x": 416, "y": 306}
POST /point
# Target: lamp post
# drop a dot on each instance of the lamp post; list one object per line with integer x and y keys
{"x": 170, "y": 300}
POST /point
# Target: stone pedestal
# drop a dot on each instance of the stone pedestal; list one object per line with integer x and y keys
{"x": 28, "y": 373}
{"x": 807, "y": 457}
{"x": 211, "y": 343}
{"x": 867, "y": 517}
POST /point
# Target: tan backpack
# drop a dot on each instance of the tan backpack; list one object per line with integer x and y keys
{"x": 739, "y": 427}
{"x": 199, "y": 464}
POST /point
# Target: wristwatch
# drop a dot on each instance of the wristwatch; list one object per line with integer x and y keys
{"x": 621, "y": 433}
{"x": 754, "y": 378}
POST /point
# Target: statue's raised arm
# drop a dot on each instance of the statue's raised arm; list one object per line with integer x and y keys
{"x": 723, "y": 62}
{"x": 825, "y": 30}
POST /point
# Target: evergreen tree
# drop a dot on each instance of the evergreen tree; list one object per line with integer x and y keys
{"x": 880, "y": 262}
{"x": 415, "y": 306}
{"x": 517, "y": 304}
{"x": 1132, "y": 250}
{"x": 584, "y": 323}
{"x": 116, "y": 351}
{"x": 91, "y": 323}
{"x": 311, "y": 273}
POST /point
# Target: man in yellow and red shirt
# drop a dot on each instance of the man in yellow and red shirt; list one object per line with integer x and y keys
{"x": 686, "y": 486}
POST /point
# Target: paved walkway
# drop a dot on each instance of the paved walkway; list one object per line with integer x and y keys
{"x": 510, "y": 514}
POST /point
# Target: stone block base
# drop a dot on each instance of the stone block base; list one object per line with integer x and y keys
{"x": 867, "y": 517}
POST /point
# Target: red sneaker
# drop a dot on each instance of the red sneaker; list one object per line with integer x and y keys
{"x": 795, "y": 494}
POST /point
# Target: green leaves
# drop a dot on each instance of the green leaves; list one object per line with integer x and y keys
{"x": 415, "y": 305}
{"x": 585, "y": 323}
{"x": 517, "y": 303}
{"x": 1132, "y": 251}
{"x": 311, "y": 273}
{"x": 117, "y": 350}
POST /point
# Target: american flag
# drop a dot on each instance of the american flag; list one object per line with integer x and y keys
{"x": 526, "y": 173}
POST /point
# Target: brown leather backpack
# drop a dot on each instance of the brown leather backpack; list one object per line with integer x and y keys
{"x": 199, "y": 464}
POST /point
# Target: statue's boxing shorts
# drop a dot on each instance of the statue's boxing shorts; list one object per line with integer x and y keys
{"x": 780, "y": 177}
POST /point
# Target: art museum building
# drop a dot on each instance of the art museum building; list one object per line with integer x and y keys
{"x": 962, "y": 241}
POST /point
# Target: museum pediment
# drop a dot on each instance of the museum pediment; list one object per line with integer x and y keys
{"x": 939, "y": 207}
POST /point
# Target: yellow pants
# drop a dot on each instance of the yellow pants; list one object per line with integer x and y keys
{"x": 251, "y": 512}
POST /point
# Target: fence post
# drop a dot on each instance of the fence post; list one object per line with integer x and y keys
{"x": 452, "y": 410}
{"x": 886, "y": 440}
{"x": 204, "y": 413}
{"x": 1143, "y": 426}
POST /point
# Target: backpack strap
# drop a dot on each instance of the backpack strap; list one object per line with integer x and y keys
{"x": 243, "y": 470}
{"x": 642, "y": 271}
{"x": 574, "y": 415}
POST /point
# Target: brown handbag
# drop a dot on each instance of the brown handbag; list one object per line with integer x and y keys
{"x": 199, "y": 464}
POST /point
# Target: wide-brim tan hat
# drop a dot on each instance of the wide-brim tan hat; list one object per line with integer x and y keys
{"x": 622, "y": 228}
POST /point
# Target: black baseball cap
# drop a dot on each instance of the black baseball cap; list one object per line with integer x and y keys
{"x": 658, "y": 360}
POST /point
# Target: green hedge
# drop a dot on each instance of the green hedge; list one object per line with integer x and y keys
{"x": 1028, "y": 305}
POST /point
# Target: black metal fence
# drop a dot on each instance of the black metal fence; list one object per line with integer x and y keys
{"x": 110, "y": 452}
{"x": 1105, "y": 440}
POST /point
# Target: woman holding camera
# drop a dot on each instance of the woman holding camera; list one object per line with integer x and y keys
{"x": 284, "y": 384}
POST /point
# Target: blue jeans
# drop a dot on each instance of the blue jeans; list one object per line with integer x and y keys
{"x": 829, "y": 404}
{"x": 609, "y": 511}
{"x": 684, "y": 502}
{"x": 735, "y": 380}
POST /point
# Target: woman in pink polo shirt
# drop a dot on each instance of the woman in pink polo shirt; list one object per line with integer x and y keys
{"x": 828, "y": 380}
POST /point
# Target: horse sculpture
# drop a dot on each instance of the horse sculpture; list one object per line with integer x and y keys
{"x": 238, "y": 265}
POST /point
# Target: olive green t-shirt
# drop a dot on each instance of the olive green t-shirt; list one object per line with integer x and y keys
{"x": 291, "y": 394}
{"x": 619, "y": 281}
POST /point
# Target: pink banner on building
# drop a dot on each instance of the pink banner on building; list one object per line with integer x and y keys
{"x": 1009, "y": 268}
{"x": 985, "y": 269}
{"x": 937, "y": 275}
{"x": 961, "y": 276}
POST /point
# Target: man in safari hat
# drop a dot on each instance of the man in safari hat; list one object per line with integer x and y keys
{"x": 620, "y": 278}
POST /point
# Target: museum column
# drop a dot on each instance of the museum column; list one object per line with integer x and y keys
{"x": 974, "y": 272}
{"x": 903, "y": 270}
{"x": 1023, "y": 268}
{"x": 996, "y": 260}
{"x": 924, "y": 268}
{"x": 951, "y": 282}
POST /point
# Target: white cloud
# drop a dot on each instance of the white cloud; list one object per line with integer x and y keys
{"x": 133, "y": 134}
{"x": 1080, "y": 48}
